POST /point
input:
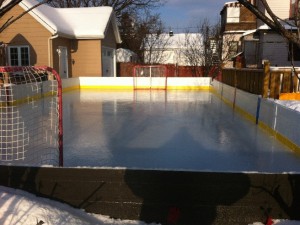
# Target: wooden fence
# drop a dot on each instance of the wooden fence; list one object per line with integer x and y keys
{"x": 126, "y": 70}
{"x": 269, "y": 82}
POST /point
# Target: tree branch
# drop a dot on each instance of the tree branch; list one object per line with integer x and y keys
{"x": 273, "y": 23}
{"x": 11, "y": 20}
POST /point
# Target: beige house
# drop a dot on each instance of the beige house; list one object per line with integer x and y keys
{"x": 74, "y": 41}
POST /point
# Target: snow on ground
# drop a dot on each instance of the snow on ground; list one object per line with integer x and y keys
{"x": 22, "y": 208}
{"x": 294, "y": 105}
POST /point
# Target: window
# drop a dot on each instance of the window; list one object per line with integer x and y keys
{"x": 18, "y": 55}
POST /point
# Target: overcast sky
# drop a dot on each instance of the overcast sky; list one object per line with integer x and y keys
{"x": 179, "y": 14}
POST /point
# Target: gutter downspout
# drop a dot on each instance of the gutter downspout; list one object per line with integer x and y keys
{"x": 50, "y": 52}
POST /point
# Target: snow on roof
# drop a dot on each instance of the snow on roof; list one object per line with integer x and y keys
{"x": 285, "y": 25}
{"x": 80, "y": 23}
{"x": 249, "y": 32}
{"x": 232, "y": 3}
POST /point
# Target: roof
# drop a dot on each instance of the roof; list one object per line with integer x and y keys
{"x": 230, "y": 4}
{"x": 79, "y": 23}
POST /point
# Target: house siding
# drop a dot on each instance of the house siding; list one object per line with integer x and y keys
{"x": 84, "y": 56}
{"x": 56, "y": 42}
{"x": 247, "y": 21}
{"x": 280, "y": 8}
{"x": 110, "y": 39}
{"x": 87, "y": 58}
{"x": 274, "y": 48}
{"x": 27, "y": 31}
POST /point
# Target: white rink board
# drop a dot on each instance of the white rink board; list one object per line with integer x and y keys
{"x": 128, "y": 82}
{"x": 277, "y": 117}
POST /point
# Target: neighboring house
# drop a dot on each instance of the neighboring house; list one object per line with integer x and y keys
{"x": 236, "y": 20}
{"x": 74, "y": 41}
{"x": 169, "y": 48}
{"x": 255, "y": 39}
{"x": 272, "y": 46}
{"x": 125, "y": 55}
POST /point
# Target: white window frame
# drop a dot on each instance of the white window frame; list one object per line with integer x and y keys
{"x": 18, "y": 47}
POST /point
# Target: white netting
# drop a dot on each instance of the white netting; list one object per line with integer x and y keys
{"x": 150, "y": 77}
{"x": 29, "y": 116}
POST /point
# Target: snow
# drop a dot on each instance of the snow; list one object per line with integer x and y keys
{"x": 293, "y": 105}
{"x": 20, "y": 207}
{"x": 81, "y": 23}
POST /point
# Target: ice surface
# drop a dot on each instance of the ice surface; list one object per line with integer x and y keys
{"x": 176, "y": 130}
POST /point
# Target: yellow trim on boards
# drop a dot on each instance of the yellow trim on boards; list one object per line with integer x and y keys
{"x": 27, "y": 99}
{"x": 112, "y": 87}
{"x": 106, "y": 87}
{"x": 72, "y": 88}
{"x": 281, "y": 138}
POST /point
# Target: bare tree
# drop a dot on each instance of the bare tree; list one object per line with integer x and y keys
{"x": 143, "y": 34}
{"x": 119, "y": 6}
{"x": 155, "y": 47}
{"x": 291, "y": 34}
{"x": 132, "y": 15}
{"x": 202, "y": 50}
{"x": 274, "y": 22}
{"x": 193, "y": 52}
{"x": 7, "y": 7}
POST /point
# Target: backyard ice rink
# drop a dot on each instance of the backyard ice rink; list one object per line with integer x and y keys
{"x": 173, "y": 130}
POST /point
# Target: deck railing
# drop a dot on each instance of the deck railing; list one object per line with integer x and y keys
{"x": 269, "y": 82}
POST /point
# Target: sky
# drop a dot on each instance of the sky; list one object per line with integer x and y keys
{"x": 180, "y": 14}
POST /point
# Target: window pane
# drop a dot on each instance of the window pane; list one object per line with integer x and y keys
{"x": 24, "y": 56}
{"x": 14, "y": 56}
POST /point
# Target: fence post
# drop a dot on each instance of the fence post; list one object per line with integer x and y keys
{"x": 266, "y": 80}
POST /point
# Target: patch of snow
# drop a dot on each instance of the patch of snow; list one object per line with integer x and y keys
{"x": 20, "y": 207}
{"x": 293, "y": 105}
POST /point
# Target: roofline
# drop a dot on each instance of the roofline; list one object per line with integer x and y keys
{"x": 51, "y": 29}
{"x": 112, "y": 20}
{"x": 54, "y": 31}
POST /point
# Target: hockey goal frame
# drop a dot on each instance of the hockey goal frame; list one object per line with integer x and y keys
{"x": 150, "y": 77}
{"x": 14, "y": 78}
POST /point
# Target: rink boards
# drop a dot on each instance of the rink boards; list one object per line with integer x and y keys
{"x": 165, "y": 197}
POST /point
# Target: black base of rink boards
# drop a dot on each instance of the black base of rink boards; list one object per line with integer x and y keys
{"x": 166, "y": 197}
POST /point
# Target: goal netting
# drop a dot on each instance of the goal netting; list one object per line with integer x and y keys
{"x": 30, "y": 116}
{"x": 150, "y": 77}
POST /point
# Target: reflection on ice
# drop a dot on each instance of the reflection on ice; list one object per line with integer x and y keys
{"x": 178, "y": 130}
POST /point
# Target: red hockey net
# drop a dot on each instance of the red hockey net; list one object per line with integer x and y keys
{"x": 30, "y": 116}
{"x": 150, "y": 77}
